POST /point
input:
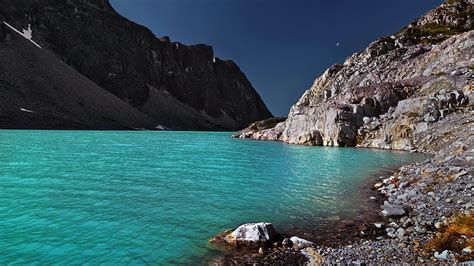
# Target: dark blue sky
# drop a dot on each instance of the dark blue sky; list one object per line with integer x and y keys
{"x": 281, "y": 45}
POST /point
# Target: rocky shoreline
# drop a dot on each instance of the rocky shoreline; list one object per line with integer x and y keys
{"x": 412, "y": 91}
{"x": 420, "y": 201}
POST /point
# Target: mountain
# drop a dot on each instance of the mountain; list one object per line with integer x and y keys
{"x": 170, "y": 84}
{"x": 394, "y": 93}
{"x": 39, "y": 91}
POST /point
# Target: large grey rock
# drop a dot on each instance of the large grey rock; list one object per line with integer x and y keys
{"x": 248, "y": 236}
{"x": 255, "y": 232}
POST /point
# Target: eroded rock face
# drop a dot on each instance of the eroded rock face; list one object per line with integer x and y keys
{"x": 400, "y": 85}
{"x": 406, "y": 126}
{"x": 180, "y": 86}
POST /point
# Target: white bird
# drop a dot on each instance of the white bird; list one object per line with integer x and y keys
{"x": 337, "y": 44}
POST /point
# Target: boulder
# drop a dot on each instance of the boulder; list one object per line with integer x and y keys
{"x": 300, "y": 243}
{"x": 248, "y": 236}
{"x": 254, "y": 232}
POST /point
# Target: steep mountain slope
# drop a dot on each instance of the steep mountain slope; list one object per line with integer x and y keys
{"x": 39, "y": 91}
{"x": 180, "y": 86}
{"x": 389, "y": 95}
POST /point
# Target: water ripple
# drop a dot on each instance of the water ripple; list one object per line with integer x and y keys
{"x": 75, "y": 197}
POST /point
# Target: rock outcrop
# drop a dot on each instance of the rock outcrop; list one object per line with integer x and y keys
{"x": 178, "y": 86}
{"x": 388, "y": 94}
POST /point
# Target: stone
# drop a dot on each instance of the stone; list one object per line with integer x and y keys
{"x": 300, "y": 243}
{"x": 456, "y": 176}
{"x": 443, "y": 255}
{"x": 248, "y": 236}
{"x": 393, "y": 210}
{"x": 378, "y": 185}
{"x": 261, "y": 251}
{"x": 391, "y": 232}
{"x": 467, "y": 250}
{"x": 314, "y": 257}
{"x": 400, "y": 233}
{"x": 379, "y": 225}
{"x": 287, "y": 242}
{"x": 255, "y": 232}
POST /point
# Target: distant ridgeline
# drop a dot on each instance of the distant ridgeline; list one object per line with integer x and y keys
{"x": 78, "y": 64}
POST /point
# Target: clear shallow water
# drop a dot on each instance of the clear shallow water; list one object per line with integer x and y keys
{"x": 157, "y": 197}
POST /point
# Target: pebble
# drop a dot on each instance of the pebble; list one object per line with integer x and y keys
{"x": 442, "y": 256}
{"x": 467, "y": 250}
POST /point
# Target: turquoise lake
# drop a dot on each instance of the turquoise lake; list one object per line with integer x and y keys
{"x": 127, "y": 197}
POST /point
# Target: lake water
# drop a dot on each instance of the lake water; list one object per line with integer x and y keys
{"x": 123, "y": 197}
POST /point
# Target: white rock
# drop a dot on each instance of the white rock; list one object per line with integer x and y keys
{"x": 442, "y": 256}
{"x": 300, "y": 243}
{"x": 391, "y": 232}
{"x": 400, "y": 233}
{"x": 255, "y": 232}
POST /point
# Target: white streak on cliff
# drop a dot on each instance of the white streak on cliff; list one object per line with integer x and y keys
{"x": 27, "y": 34}
{"x": 26, "y": 110}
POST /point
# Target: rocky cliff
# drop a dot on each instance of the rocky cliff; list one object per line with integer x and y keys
{"x": 394, "y": 92}
{"x": 410, "y": 91}
{"x": 177, "y": 86}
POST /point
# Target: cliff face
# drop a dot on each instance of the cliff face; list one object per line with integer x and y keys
{"x": 393, "y": 92}
{"x": 39, "y": 91}
{"x": 179, "y": 86}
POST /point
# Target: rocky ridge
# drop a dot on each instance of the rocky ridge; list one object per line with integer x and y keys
{"x": 412, "y": 91}
{"x": 374, "y": 82}
{"x": 177, "y": 86}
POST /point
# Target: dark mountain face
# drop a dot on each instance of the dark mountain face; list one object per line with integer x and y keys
{"x": 179, "y": 86}
{"x": 39, "y": 91}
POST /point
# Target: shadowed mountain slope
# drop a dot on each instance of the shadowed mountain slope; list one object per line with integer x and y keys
{"x": 179, "y": 86}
